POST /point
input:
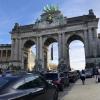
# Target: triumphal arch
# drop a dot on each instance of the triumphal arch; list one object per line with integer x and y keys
{"x": 53, "y": 26}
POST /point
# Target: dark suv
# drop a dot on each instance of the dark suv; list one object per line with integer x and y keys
{"x": 58, "y": 79}
{"x": 73, "y": 76}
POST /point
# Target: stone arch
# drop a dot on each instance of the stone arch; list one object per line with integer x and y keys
{"x": 48, "y": 40}
{"x": 72, "y": 38}
{"x": 62, "y": 29}
{"x": 32, "y": 41}
{"x": 55, "y": 38}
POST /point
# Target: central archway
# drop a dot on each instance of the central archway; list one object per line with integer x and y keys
{"x": 76, "y": 52}
{"x": 77, "y": 55}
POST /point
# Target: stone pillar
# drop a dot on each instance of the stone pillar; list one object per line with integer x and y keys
{"x": 60, "y": 47}
{"x": 92, "y": 47}
{"x": 16, "y": 53}
{"x": 1, "y": 54}
{"x": 37, "y": 48}
{"x": 41, "y": 49}
{"x": 39, "y": 54}
{"x": 12, "y": 49}
{"x": 86, "y": 44}
{"x": 6, "y": 54}
{"x": 41, "y": 58}
{"x": 20, "y": 49}
{"x": 94, "y": 33}
{"x": 63, "y": 45}
{"x": 22, "y": 54}
{"x": 90, "y": 42}
{"x": 67, "y": 56}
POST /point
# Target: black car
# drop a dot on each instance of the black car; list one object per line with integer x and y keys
{"x": 58, "y": 79}
{"x": 88, "y": 73}
{"x": 26, "y": 87}
{"x": 73, "y": 76}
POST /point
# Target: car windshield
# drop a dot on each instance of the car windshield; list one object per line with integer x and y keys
{"x": 51, "y": 76}
{"x": 3, "y": 82}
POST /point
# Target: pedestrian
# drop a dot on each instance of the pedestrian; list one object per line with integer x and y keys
{"x": 98, "y": 77}
{"x": 1, "y": 71}
{"x": 83, "y": 77}
{"x": 96, "y": 73}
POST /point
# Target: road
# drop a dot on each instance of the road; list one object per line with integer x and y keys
{"x": 77, "y": 91}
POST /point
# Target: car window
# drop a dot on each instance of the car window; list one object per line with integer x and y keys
{"x": 38, "y": 82}
{"x": 51, "y": 76}
{"x": 61, "y": 74}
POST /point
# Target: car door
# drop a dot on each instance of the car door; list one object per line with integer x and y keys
{"x": 35, "y": 89}
{"x": 50, "y": 90}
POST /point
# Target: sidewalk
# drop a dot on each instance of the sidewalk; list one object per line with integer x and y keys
{"x": 89, "y": 91}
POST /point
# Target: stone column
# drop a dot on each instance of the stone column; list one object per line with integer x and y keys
{"x": 67, "y": 55}
{"x": 1, "y": 53}
{"x": 39, "y": 53}
{"x": 86, "y": 44}
{"x": 15, "y": 49}
{"x": 20, "y": 50}
{"x": 41, "y": 49}
{"x": 12, "y": 49}
{"x": 94, "y": 33}
{"x": 41, "y": 58}
{"x": 90, "y": 42}
{"x": 63, "y": 45}
{"x": 37, "y": 48}
{"x": 6, "y": 54}
{"x": 22, "y": 54}
{"x": 16, "y": 53}
{"x": 60, "y": 47}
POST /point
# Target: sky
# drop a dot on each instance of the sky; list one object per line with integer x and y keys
{"x": 27, "y": 11}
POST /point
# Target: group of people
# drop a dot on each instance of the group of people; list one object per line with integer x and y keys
{"x": 96, "y": 74}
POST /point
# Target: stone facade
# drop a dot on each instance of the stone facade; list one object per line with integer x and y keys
{"x": 59, "y": 29}
{"x": 5, "y": 55}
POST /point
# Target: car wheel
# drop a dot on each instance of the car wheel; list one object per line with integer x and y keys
{"x": 56, "y": 95}
{"x": 61, "y": 87}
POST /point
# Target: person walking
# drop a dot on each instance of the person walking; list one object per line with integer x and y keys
{"x": 83, "y": 77}
{"x": 96, "y": 74}
{"x": 98, "y": 77}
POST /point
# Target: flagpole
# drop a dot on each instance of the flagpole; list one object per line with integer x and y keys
{"x": 52, "y": 52}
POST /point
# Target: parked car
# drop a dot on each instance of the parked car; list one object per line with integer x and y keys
{"x": 73, "y": 76}
{"x": 26, "y": 87}
{"x": 88, "y": 73}
{"x": 58, "y": 79}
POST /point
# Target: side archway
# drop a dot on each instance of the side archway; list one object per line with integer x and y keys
{"x": 50, "y": 62}
{"x": 29, "y": 55}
